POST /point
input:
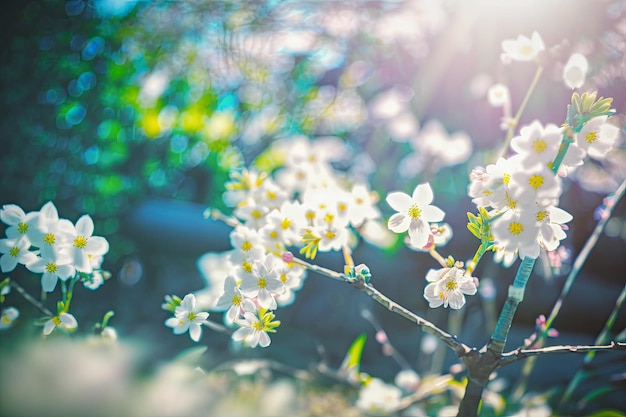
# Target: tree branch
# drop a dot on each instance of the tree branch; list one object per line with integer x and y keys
{"x": 461, "y": 349}
{"x": 519, "y": 354}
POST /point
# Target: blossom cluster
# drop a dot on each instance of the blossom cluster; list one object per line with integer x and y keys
{"x": 307, "y": 204}
{"x": 522, "y": 191}
{"x": 54, "y": 247}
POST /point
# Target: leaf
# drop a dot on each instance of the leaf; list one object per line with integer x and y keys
{"x": 606, "y": 413}
{"x": 593, "y": 395}
{"x": 352, "y": 360}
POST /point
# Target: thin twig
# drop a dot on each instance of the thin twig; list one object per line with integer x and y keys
{"x": 518, "y": 354}
{"x": 31, "y": 299}
{"x": 459, "y": 348}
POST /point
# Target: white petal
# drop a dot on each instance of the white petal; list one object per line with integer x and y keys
{"x": 418, "y": 232}
{"x": 84, "y": 226}
{"x": 264, "y": 339}
{"x": 266, "y": 300}
{"x": 456, "y": 299}
{"x": 195, "y": 332}
{"x": 399, "y": 223}
{"x": 48, "y": 281}
{"x": 399, "y": 201}
{"x": 12, "y": 214}
{"x": 433, "y": 214}
{"x": 97, "y": 245}
{"x": 8, "y": 263}
{"x": 172, "y": 322}
{"x": 49, "y": 212}
{"x": 242, "y": 333}
{"x": 423, "y": 194}
{"x": 48, "y": 327}
{"x": 68, "y": 321}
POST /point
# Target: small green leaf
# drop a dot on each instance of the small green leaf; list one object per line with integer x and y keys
{"x": 352, "y": 361}
{"x": 606, "y": 413}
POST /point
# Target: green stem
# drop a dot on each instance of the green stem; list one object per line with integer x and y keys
{"x": 520, "y": 111}
{"x": 602, "y": 338}
{"x": 576, "y": 268}
{"x": 516, "y": 294}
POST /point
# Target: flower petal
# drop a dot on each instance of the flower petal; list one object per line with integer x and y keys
{"x": 423, "y": 194}
{"x": 399, "y": 201}
{"x": 432, "y": 214}
{"x": 195, "y": 331}
{"x": 418, "y": 232}
{"x": 399, "y": 223}
{"x": 264, "y": 339}
{"x": 84, "y": 226}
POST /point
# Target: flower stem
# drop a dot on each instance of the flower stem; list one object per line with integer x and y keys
{"x": 576, "y": 268}
{"x": 601, "y": 339}
{"x": 520, "y": 111}
{"x": 516, "y": 295}
{"x": 31, "y": 299}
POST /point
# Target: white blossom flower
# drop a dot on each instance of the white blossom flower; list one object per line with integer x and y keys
{"x": 575, "y": 71}
{"x": 85, "y": 246}
{"x": 63, "y": 320}
{"x": 523, "y": 48}
{"x": 535, "y": 184}
{"x": 517, "y": 230}
{"x": 263, "y": 283}
{"x": 51, "y": 233}
{"x": 536, "y": 143}
{"x": 21, "y": 225}
{"x": 414, "y": 213}
{"x": 363, "y": 205}
{"x": 52, "y": 268}
{"x": 254, "y": 328}
{"x": 447, "y": 287}
{"x": 8, "y": 317}
{"x": 551, "y": 222}
{"x": 15, "y": 252}
{"x": 378, "y": 397}
{"x": 232, "y": 301}
{"x": 597, "y": 137}
{"x": 498, "y": 96}
{"x": 186, "y": 318}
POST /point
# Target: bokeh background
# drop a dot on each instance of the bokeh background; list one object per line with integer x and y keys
{"x": 134, "y": 112}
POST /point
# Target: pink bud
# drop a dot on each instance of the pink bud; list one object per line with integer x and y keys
{"x": 381, "y": 337}
{"x": 287, "y": 256}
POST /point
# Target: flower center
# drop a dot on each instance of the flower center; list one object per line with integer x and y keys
{"x": 536, "y": 181}
{"x": 258, "y": 326}
{"x": 285, "y": 224}
{"x": 542, "y": 215}
{"x": 591, "y": 136}
{"x": 14, "y": 251}
{"x": 80, "y": 242}
{"x": 236, "y": 301}
{"x": 330, "y": 235}
{"x": 539, "y": 145}
{"x": 49, "y": 238}
{"x": 246, "y": 246}
{"x": 451, "y": 285}
{"x": 56, "y": 320}
{"x": 51, "y": 268}
{"x": 516, "y": 228}
{"x": 283, "y": 278}
{"x": 247, "y": 267}
{"x": 22, "y": 228}
{"x": 262, "y": 282}
{"x": 191, "y": 316}
{"x": 506, "y": 178}
{"x": 414, "y": 212}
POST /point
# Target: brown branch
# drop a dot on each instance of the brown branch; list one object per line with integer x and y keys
{"x": 519, "y": 354}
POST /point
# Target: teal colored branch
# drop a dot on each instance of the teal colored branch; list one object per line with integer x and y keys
{"x": 516, "y": 295}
